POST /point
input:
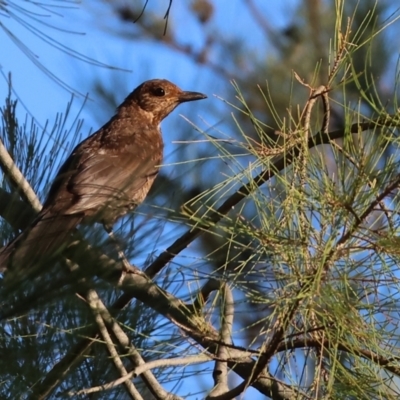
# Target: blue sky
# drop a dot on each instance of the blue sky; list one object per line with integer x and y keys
{"x": 87, "y": 24}
{"x": 88, "y": 29}
{"x": 133, "y": 61}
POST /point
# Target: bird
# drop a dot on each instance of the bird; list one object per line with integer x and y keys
{"x": 106, "y": 176}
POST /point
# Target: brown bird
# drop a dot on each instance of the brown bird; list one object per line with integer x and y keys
{"x": 106, "y": 176}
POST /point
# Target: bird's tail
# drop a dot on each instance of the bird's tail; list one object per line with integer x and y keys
{"x": 43, "y": 240}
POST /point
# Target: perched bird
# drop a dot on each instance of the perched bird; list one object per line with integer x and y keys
{"x": 106, "y": 176}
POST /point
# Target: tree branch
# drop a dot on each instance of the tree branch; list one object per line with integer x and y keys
{"x": 220, "y": 373}
{"x": 98, "y": 308}
{"x": 150, "y": 294}
{"x": 278, "y": 163}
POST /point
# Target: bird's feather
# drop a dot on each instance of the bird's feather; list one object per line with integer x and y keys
{"x": 106, "y": 175}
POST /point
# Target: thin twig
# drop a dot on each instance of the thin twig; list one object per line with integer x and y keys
{"x": 29, "y": 194}
{"x": 18, "y": 179}
{"x": 140, "y": 366}
{"x": 220, "y": 373}
{"x": 327, "y": 112}
{"x": 342, "y": 48}
{"x": 391, "y": 364}
{"x": 165, "y": 362}
{"x": 97, "y": 307}
{"x": 171, "y": 308}
{"x": 166, "y": 16}
{"x": 278, "y": 163}
{"x": 141, "y": 12}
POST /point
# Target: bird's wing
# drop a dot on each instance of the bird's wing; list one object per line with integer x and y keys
{"x": 45, "y": 238}
{"x": 103, "y": 178}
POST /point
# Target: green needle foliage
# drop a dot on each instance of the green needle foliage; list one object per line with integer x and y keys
{"x": 270, "y": 259}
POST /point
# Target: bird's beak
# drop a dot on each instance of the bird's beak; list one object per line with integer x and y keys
{"x": 191, "y": 96}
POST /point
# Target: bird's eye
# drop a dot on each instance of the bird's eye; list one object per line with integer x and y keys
{"x": 159, "y": 92}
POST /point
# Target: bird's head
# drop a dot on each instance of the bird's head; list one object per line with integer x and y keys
{"x": 159, "y": 97}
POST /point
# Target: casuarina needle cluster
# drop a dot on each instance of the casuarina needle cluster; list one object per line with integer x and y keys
{"x": 106, "y": 176}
